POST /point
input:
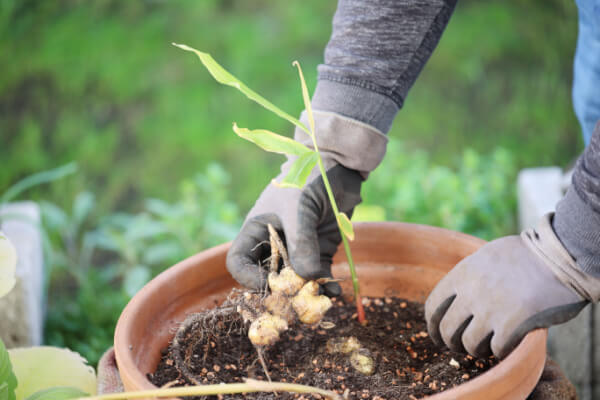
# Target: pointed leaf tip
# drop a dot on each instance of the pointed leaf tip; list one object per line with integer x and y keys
{"x": 223, "y": 76}
{"x": 306, "y": 98}
{"x": 182, "y": 46}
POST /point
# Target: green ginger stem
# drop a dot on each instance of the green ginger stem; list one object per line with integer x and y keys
{"x": 355, "y": 284}
{"x": 311, "y": 132}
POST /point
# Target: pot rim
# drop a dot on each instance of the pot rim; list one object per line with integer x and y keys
{"x": 534, "y": 342}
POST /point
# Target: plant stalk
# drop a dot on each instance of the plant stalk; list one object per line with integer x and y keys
{"x": 251, "y": 385}
{"x": 360, "y": 311}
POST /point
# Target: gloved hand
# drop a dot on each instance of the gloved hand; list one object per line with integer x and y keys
{"x": 308, "y": 224}
{"x": 304, "y": 217}
{"x": 510, "y": 286}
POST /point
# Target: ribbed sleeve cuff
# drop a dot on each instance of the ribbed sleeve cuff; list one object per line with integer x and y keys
{"x": 577, "y": 226}
{"x": 351, "y": 143}
{"x": 355, "y": 101}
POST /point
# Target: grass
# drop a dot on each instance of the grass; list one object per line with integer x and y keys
{"x": 98, "y": 82}
{"x": 102, "y": 84}
{"x": 501, "y": 76}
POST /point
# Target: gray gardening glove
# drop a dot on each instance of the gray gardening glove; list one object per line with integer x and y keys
{"x": 510, "y": 286}
{"x": 304, "y": 216}
{"x": 307, "y": 222}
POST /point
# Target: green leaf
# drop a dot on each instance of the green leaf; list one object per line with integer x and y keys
{"x": 44, "y": 367}
{"x": 162, "y": 253}
{"x": 58, "y": 393}
{"x": 37, "y": 179}
{"x": 345, "y": 225}
{"x": 224, "y": 77}
{"x": 8, "y": 380}
{"x": 82, "y": 207}
{"x": 54, "y": 217}
{"x": 272, "y": 142}
{"x": 8, "y": 265}
{"x": 4, "y": 391}
{"x": 135, "y": 278}
{"x": 299, "y": 171}
{"x": 306, "y": 97}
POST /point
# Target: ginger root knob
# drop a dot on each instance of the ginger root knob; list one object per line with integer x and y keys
{"x": 280, "y": 305}
{"x": 265, "y": 329}
{"x": 309, "y": 306}
{"x": 286, "y": 282}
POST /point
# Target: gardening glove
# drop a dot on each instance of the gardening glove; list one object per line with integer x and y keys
{"x": 304, "y": 217}
{"x": 488, "y": 302}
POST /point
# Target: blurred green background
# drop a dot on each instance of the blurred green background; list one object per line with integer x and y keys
{"x": 160, "y": 173}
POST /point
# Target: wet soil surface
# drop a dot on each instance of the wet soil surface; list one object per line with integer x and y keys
{"x": 408, "y": 365}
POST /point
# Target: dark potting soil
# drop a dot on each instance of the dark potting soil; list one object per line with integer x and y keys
{"x": 408, "y": 364}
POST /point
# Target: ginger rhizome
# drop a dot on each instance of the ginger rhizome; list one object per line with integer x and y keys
{"x": 291, "y": 297}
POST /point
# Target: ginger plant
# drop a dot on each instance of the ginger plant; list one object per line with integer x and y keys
{"x": 306, "y": 159}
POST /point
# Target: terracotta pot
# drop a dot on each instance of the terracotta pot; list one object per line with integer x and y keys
{"x": 393, "y": 259}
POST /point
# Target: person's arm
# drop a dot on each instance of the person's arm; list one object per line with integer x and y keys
{"x": 577, "y": 219}
{"x": 376, "y": 51}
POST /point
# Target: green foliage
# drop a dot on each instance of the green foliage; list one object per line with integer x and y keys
{"x": 224, "y": 77}
{"x": 269, "y": 141}
{"x": 8, "y": 380}
{"x": 272, "y": 142}
{"x": 299, "y": 170}
{"x": 83, "y": 317}
{"x": 46, "y": 372}
{"x": 4, "y": 391}
{"x": 510, "y": 87}
{"x": 133, "y": 112}
{"x": 137, "y": 116}
{"x": 98, "y": 262}
{"x": 36, "y": 179}
{"x": 477, "y": 197}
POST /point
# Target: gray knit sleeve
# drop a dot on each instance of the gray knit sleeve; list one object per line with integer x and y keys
{"x": 376, "y": 51}
{"x": 577, "y": 218}
{"x": 586, "y": 176}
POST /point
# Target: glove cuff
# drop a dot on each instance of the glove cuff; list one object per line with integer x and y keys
{"x": 543, "y": 241}
{"x": 349, "y": 142}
